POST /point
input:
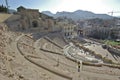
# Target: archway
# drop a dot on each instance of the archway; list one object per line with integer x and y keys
{"x": 35, "y": 24}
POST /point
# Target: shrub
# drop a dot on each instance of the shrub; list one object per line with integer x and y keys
{"x": 106, "y": 60}
{"x": 98, "y": 56}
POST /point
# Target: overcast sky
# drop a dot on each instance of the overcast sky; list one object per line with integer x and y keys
{"x": 96, "y": 6}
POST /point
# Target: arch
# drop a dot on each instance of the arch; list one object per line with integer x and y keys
{"x": 35, "y": 24}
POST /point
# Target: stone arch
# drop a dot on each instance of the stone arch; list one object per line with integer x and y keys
{"x": 35, "y": 24}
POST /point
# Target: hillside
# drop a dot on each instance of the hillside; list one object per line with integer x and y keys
{"x": 4, "y": 17}
{"x": 77, "y": 15}
{"x": 48, "y": 13}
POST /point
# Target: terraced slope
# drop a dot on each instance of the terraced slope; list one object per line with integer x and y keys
{"x": 57, "y": 38}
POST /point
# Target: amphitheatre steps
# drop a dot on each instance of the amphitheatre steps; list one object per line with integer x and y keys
{"x": 51, "y": 69}
{"x": 43, "y": 63}
{"x": 56, "y": 44}
{"x": 47, "y": 46}
{"x": 48, "y": 61}
{"x": 27, "y": 40}
{"x": 57, "y": 38}
{"x": 39, "y": 62}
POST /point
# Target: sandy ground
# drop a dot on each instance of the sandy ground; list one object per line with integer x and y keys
{"x": 15, "y": 66}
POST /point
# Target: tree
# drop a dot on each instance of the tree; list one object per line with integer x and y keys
{"x": 3, "y": 8}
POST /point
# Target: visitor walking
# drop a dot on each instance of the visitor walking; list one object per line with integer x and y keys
{"x": 78, "y": 66}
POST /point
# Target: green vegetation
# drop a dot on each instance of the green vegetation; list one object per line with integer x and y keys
{"x": 112, "y": 43}
{"x": 106, "y": 60}
{"x": 3, "y": 8}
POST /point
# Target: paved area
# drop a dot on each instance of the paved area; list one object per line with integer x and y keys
{"x": 75, "y": 53}
{"x": 104, "y": 52}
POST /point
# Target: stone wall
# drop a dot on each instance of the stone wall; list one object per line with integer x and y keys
{"x": 114, "y": 51}
{"x": 30, "y": 20}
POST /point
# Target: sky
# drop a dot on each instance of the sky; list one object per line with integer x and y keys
{"x": 96, "y": 6}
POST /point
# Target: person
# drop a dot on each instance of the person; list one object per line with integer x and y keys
{"x": 78, "y": 66}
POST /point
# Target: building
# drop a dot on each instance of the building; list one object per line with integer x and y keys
{"x": 30, "y": 20}
{"x": 115, "y": 33}
{"x": 69, "y": 30}
{"x": 97, "y": 32}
